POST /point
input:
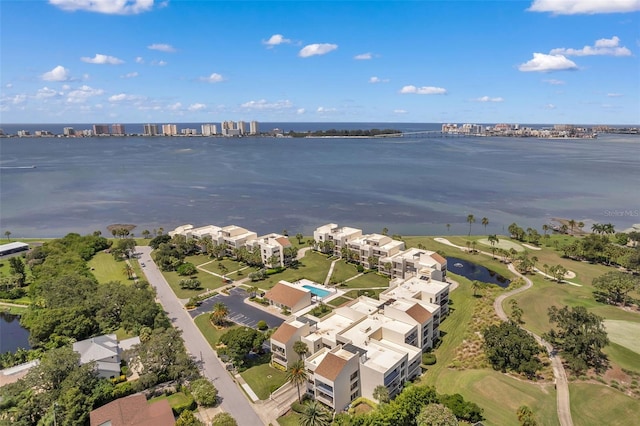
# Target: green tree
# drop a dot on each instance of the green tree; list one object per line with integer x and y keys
{"x": 448, "y": 227}
{"x": 16, "y": 265}
{"x": 297, "y": 375}
{"x": 146, "y": 234}
{"x": 240, "y": 342}
{"x": 314, "y": 415}
{"x": 476, "y": 286}
{"x": 223, "y": 419}
{"x": 219, "y": 314}
{"x": 204, "y": 393}
{"x": 485, "y": 222}
{"x": 381, "y": 394}
{"x": 186, "y": 269}
{"x": 572, "y": 224}
{"x": 385, "y": 231}
{"x": 7, "y": 234}
{"x": 516, "y": 312}
{"x": 436, "y": 415}
{"x": 580, "y": 336}
{"x": 253, "y": 290}
{"x": 508, "y": 347}
{"x": 128, "y": 270}
{"x": 300, "y": 348}
{"x": 526, "y": 416}
{"x": 614, "y": 287}
{"x": 187, "y": 418}
{"x": 471, "y": 220}
{"x": 299, "y": 237}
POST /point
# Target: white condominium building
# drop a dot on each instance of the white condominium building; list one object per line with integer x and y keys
{"x": 209, "y": 129}
{"x": 415, "y": 263}
{"x": 169, "y": 129}
{"x": 370, "y": 248}
{"x": 339, "y": 236}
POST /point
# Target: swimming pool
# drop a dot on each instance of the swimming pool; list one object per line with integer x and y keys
{"x": 318, "y": 292}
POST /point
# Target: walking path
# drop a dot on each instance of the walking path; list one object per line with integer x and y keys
{"x": 562, "y": 385}
{"x": 326, "y": 280}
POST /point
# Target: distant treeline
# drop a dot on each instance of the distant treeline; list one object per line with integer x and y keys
{"x": 344, "y": 132}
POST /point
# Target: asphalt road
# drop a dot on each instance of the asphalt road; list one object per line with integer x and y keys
{"x": 233, "y": 399}
{"x": 239, "y": 311}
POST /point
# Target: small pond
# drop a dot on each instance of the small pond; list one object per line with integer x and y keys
{"x": 12, "y": 334}
{"x": 474, "y": 271}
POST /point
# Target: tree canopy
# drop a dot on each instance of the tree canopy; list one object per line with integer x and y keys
{"x": 508, "y": 347}
{"x": 614, "y": 287}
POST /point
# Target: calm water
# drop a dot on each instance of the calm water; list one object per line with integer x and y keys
{"x": 476, "y": 272}
{"x": 409, "y": 185}
{"x": 12, "y": 334}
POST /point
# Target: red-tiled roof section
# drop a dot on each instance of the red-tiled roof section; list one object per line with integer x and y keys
{"x": 331, "y": 366}
{"x": 284, "y": 241}
{"x": 284, "y": 333}
{"x": 419, "y": 313}
{"x": 441, "y": 260}
{"x": 133, "y": 411}
{"x": 285, "y": 295}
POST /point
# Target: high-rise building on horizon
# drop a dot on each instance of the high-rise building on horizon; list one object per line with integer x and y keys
{"x": 169, "y": 129}
{"x": 253, "y": 128}
{"x": 117, "y": 129}
{"x": 150, "y": 129}
{"x": 242, "y": 127}
{"x": 209, "y": 129}
{"x": 100, "y": 129}
{"x": 68, "y": 131}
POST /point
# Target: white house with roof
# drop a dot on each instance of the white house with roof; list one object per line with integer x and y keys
{"x": 105, "y": 351}
{"x": 374, "y": 246}
{"x": 415, "y": 263}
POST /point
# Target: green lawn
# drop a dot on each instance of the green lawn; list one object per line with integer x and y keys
{"x": 14, "y": 310}
{"x": 208, "y": 281}
{"x": 175, "y": 400}
{"x": 211, "y": 333}
{"x": 338, "y": 301}
{"x": 264, "y": 379}
{"x": 595, "y": 404}
{"x": 314, "y": 266}
{"x": 368, "y": 280}
{"x": 214, "y": 265}
{"x": 105, "y": 268}
{"x": 290, "y": 419}
{"x": 354, "y": 294}
{"x": 342, "y": 271}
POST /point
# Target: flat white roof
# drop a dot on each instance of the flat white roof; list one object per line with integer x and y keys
{"x": 408, "y": 289}
{"x": 13, "y": 245}
{"x": 330, "y": 326}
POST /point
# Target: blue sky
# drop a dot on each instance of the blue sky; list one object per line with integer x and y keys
{"x": 109, "y": 61}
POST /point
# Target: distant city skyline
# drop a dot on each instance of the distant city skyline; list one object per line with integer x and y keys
{"x": 145, "y": 61}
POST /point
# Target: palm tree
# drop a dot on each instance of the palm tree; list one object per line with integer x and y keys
{"x": 252, "y": 291}
{"x": 219, "y": 313}
{"x": 468, "y": 245}
{"x": 580, "y": 225}
{"x": 476, "y": 285}
{"x": 381, "y": 394}
{"x": 300, "y": 348}
{"x": 385, "y": 231}
{"x": 297, "y": 374}
{"x": 545, "y": 228}
{"x": 597, "y": 228}
{"x": 448, "y": 227}
{"x": 572, "y": 223}
{"x": 128, "y": 270}
{"x": 493, "y": 239}
{"x": 314, "y": 415}
{"x": 146, "y": 234}
{"x": 299, "y": 237}
{"x": 485, "y": 222}
{"x": 7, "y": 234}
{"x": 285, "y": 232}
{"x": 471, "y": 219}
{"x": 474, "y": 243}
{"x": 608, "y": 228}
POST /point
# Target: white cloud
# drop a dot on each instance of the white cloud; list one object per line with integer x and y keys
{"x": 45, "y": 93}
{"x": 213, "y": 78}
{"x": 8, "y": 85}
{"x": 400, "y": 111}
{"x": 139, "y": 60}
{"x": 196, "y": 107}
{"x": 262, "y": 104}
{"x": 121, "y": 97}
{"x": 111, "y": 7}
{"x": 375, "y": 79}
{"x": 275, "y": 40}
{"x": 158, "y": 63}
{"x": 554, "y": 82}
{"x": 424, "y": 90}
{"x": 363, "y": 56}
{"x": 317, "y": 49}
{"x": 590, "y": 7}
{"x": 300, "y": 111}
{"x": 130, "y": 75}
{"x": 82, "y": 94}
{"x": 488, "y": 99}
{"x": 546, "y": 63}
{"x": 614, "y": 95}
{"x": 102, "y": 59}
{"x": 549, "y": 106}
{"x": 604, "y": 46}
{"x": 323, "y": 110}
{"x": 59, "y": 73}
{"x": 175, "y": 107}
{"x": 16, "y": 99}
{"x": 162, "y": 47}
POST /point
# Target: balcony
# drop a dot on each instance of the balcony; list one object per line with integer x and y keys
{"x": 391, "y": 377}
{"x": 325, "y": 399}
{"x": 324, "y": 388}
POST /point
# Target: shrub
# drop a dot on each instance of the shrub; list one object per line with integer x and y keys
{"x": 429, "y": 358}
{"x": 186, "y": 269}
{"x": 262, "y": 325}
{"x": 204, "y": 392}
{"x": 360, "y": 268}
{"x": 189, "y": 404}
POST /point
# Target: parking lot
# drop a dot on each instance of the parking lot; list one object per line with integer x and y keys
{"x": 239, "y": 311}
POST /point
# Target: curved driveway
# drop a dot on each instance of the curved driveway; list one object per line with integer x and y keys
{"x": 233, "y": 400}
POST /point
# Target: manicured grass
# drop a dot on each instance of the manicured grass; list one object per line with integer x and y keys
{"x": 208, "y": 281}
{"x": 314, "y": 266}
{"x": 342, "y": 271}
{"x": 264, "y": 379}
{"x": 290, "y": 419}
{"x": 213, "y": 265}
{"x": 622, "y": 356}
{"x": 595, "y": 404}
{"x": 14, "y": 310}
{"x": 354, "y": 294}
{"x": 211, "y": 333}
{"x": 502, "y": 243}
{"x": 105, "y": 268}
{"x": 175, "y": 400}
{"x": 368, "y": 280}
{"x": 338, "y": 301}
{"x": 624, "y": 333}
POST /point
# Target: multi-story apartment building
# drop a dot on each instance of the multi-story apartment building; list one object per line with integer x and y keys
{"x": 100, "y": 129}
{"x": 235, "y": 237}
{"x": 242, "y": 127}
{"x": 370, "y": 248}
{"x": 433, "y": 293}
{"x": 117, "y": 129}
{"x": 414, "y": 263}
{"x": 209, "y": 129}
{"x": 169, "y": 129}
{"x": 68, "y": 131}
{"x": 188, "y": 132}
{"x": 150, "y": 130}
{"x": 272, "y": 249}
{"x": 337, "y": 236}
{"x": 253, "y": 128}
